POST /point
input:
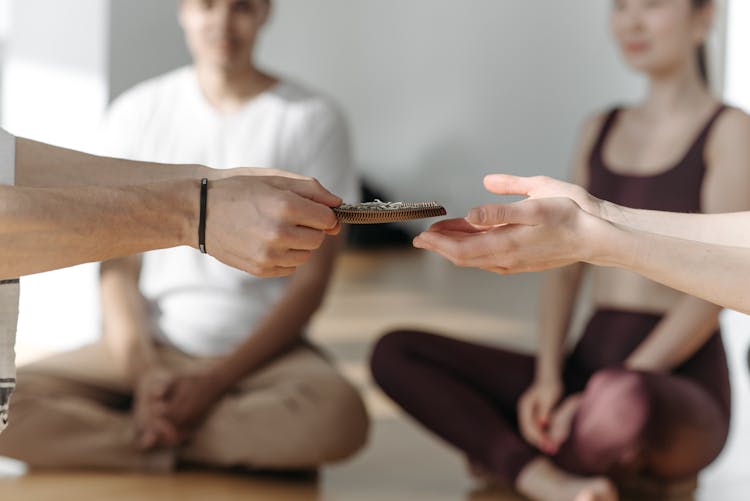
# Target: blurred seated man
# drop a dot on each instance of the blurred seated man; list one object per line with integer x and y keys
{"x": 200, "y": 363}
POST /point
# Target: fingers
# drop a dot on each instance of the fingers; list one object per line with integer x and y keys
{"x": 455, "y": 225}
{"x": 148, "y": 439}
{"x": 298, "y": 210}
{"x": 527, "y": 212}
{"x": 506, "y": 184}
{"x": 528, "y": 423}
{"x": 560, "y": 425}
{"x": 159, "y": 432}
{"x": 257, "y": 268}
{"x": 478, "y": 250}
{"x": 557, "y": 432}
{"x": 544, "y": 410}
{"x": 335, "y": 230}
{"x": 158, "y": 386}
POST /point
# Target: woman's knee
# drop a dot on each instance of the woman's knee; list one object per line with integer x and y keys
{"x": 617, "y": 398}
{"x": 388, "y": 354}
{"x": 612, "y": 423}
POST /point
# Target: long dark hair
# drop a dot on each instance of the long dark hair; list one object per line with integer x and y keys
{"x": 702, "y": 52}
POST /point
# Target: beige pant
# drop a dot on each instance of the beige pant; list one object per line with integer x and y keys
{"x": 73, "y": 410}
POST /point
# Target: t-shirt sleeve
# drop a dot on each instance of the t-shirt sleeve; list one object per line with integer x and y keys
{"x": 328, "y": 156}
{"x": 7, "y": 158}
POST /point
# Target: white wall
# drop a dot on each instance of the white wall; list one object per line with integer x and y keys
{"x": 737, "y": 54}
{"x": 440, "y": 92}
{"x": 54, "y": 88}
{"x": 144, "y": 41}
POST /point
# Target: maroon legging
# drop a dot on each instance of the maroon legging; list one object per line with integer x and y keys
{"x": 666, "y": 424}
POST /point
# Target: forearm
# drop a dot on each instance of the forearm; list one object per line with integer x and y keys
{"x": 718, "y": 274}
{"x": 557, "y": 306}
{"x": 718, "y": 229}
{"x": 126, "y": 323}
{"x": 278, "y": 331}
{"x": 284, "y": 324}
{"x": 42, "y": 165}
{"x": 682, "y": 332}
{"x": 48, "y": 228}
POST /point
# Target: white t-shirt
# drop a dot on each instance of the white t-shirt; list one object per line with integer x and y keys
{"x": 200, "y": 305}
{"x": 8, "y": 294}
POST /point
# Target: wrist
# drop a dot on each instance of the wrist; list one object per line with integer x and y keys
{"x": 185, "y": 209}
{"x": 144, "y": 365}
{"x": 221, "y": 379}
{"x": 547, "y": 375}
{"x": 609, "y": 211}
{"x": 599, "y": 241}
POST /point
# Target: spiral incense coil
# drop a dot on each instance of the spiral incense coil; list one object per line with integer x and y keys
{"x": 387, "y": 212}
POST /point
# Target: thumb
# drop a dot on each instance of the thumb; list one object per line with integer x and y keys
{"x": 544, "y": 411}
{"x": 160, "y": 388}
{"x": 559, "y": 427}
{"x": 310, "y": 189}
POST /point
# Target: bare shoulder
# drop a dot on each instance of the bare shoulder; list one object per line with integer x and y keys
{"x": 591, "y": 126}
{"x": 732, "y": 129}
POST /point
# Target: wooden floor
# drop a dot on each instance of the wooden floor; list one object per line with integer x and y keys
{"x": 371, "y": 293}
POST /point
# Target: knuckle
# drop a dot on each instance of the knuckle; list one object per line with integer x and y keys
{"x": 273, "y": 232}
{"x": 285, "y": 209}
{"x": 535, "y": 210}
{"x": 263, "y": 256}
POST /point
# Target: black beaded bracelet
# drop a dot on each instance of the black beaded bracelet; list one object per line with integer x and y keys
{"x": 202, "y": 217}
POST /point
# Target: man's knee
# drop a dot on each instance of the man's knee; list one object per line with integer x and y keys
{"x": 32, "y": 384}
{"x": 343, "y": 423}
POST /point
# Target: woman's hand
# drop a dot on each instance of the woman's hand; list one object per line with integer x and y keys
{"x": 531, "y": 235}
{"x": 537, "y": 187}
{"x": 535, "y": 412}
{"x": 561, "y": 422}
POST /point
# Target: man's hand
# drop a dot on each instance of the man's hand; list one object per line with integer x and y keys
{"x": 188, "y": 400}
{"x": 152, "y": 428}
{"x": 268, "y": 225}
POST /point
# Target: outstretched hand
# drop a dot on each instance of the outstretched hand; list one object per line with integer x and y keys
{"x": 541, "y": 232}
{"x": 268, "y": 225}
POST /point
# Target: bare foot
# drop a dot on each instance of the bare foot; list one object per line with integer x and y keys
{"x": 543, "y": 481}
{"x": 593, "y": 489}
{"x": 485, "y": 476}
